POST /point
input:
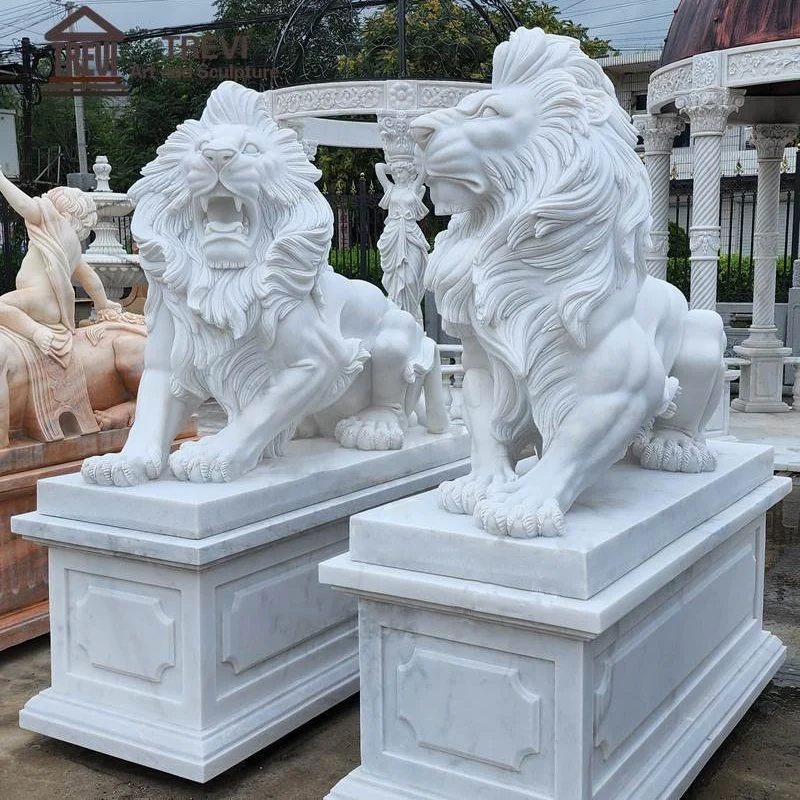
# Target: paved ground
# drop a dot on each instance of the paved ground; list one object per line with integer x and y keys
{"x": 759, "y": 761}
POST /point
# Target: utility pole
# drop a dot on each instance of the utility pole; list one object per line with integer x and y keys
{"x": 26, "y": 92}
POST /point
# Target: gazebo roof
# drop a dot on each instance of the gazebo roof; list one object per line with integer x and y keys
{"x": 703, "y": 26}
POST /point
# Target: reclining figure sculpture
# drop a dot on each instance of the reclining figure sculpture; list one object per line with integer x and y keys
{"x": 568, "y": 343}
{"x": 242, "y": 305}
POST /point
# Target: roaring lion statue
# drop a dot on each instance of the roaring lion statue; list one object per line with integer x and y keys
{"x": 568, "y": 344}
{"x": 242, "y": 306}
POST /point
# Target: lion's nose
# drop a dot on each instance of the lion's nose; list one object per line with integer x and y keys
{"x": 421, "y": 131}
{"x": 218, "y": 157}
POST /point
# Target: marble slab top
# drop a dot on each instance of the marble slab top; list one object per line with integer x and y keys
{"x": 312, "y": 471}
{"x": 629, "y": 515}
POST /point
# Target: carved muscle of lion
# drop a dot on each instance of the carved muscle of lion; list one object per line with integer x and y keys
{"x": 568, "y": 344}
{"x": 243, "y": 306}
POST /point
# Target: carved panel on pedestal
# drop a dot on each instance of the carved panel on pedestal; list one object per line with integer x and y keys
{"x": 147, "y": 647}
{"x": 262, "y": 617}
{"x": 489, "y": 711}
{"x": 697, "y": 621}
{"x": 447, "y": 700}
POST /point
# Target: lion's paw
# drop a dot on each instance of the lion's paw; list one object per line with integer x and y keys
{"x": 461, "y": 495}
{"x": 516, "y": 516}
{"x": 673, "y": 451}
{"x": 202, "y": 461}
{"x": 122, "y": 469}
{"x": 372, "y": 429}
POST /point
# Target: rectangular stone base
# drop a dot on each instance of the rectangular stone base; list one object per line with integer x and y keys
{"x": 188, "y": 655}
{"x": 475, "y": 689}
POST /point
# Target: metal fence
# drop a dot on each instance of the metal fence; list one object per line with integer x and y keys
{"x": 737, "y": 222}
{"x": 359, "y": 219}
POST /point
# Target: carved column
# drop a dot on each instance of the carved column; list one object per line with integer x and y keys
{"x": 658, "y": 133}
{"x": 761, "y": 384}
{"x": 402, "y": 245}
{"x": 708, "y": 111}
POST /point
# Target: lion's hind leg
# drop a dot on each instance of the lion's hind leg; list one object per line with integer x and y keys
{"x": 381, "y": 425}
{"x": 675, "y": 442}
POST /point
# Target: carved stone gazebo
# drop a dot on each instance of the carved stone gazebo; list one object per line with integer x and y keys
{"x": 723, "y": 57}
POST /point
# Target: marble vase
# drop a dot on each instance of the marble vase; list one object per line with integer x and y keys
{"x": 605, "y": 665}
{"x": 188, "y": 627}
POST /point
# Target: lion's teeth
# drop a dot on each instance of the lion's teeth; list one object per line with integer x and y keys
{"x": 237, "y": 202}
{"x": 204, "y": 203}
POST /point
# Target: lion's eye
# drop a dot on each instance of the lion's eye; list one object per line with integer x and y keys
{"x": 488, "y": 111}
{"x": 250, "y": 149}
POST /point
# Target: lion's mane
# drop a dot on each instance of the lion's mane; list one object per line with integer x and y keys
{"x": 217, "y": 312}
{"x": 566, "y": 225}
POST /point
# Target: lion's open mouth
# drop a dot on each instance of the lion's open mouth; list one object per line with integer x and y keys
{"x": 227, "y": 222}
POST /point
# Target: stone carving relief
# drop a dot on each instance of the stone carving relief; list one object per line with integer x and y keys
{"x": 704, "y": 243}
{"x": 524, "y": 274}
{"x": 402, "y": 244}
{"x": 49, "y": 368}
{"x": 243, "y": 307}
{"x": 329, "y": 98}
{"x": 769, "y": 63}
{"x": 705, "y": 70}
{"x": 666, "y": 83}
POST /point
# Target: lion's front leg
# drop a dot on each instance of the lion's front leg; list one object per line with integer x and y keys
{"x": 491, "y": 463}
{"x": 322, "y": 375}
{"x": 159, "y": 418}
{"x": 623, "y": 378}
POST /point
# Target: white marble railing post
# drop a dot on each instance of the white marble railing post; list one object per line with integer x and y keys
{"x": 761, "y": 385}
{"x": 658, "y": 133}
{"x": 708, "y": 111}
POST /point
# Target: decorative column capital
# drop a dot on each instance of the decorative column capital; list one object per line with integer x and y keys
{"x": 772, "y": 140}
{"x": 394, "y": 128}
{"x": 708, "y": 109}
{"x": 658, "y": 131}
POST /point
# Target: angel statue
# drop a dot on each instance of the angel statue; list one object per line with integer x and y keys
{"x": 42, "y": 308}
{"x": 402, "y": 245}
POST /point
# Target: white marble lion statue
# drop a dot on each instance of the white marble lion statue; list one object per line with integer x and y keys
{"x": 242, "y": 306}
{"x": 568, "y": 344}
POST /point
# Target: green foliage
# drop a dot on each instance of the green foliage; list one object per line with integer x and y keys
{"x": 448, "y": 39}
{"x": 678, "y": 241}
{"x": 734, "y": 277}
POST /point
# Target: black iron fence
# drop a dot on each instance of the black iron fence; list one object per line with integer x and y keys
{"x": 13, "y": 245}
{"x": 359, "y": 219}
{"x": 737, "y": 221}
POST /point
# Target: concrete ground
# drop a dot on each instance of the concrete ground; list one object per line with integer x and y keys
{"x": 760, "y": 760}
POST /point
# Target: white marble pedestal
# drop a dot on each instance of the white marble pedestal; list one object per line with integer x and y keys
{"x": 761, "y": 381}
{"x": 189, "y": 629}
{"x": 606, "y": 665}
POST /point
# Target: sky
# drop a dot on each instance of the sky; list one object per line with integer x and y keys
{"x": 629, "y": 24}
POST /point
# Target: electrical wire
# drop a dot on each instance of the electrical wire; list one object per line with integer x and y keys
{"x": 631, "y": 21}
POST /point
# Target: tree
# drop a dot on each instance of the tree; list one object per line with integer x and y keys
{"x": 451, "y": 39}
